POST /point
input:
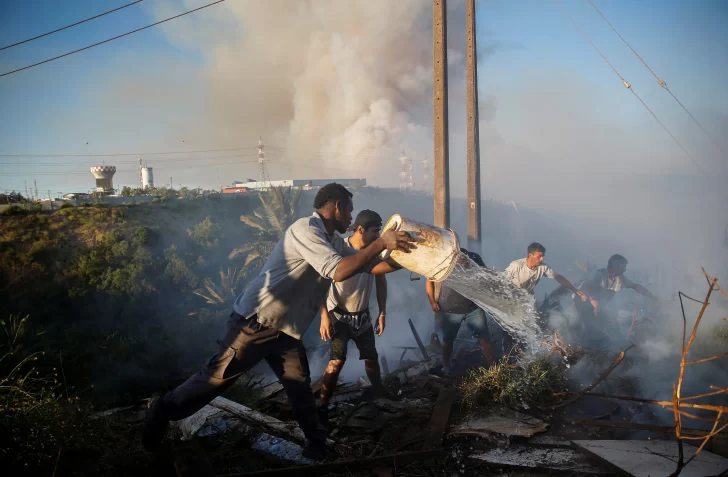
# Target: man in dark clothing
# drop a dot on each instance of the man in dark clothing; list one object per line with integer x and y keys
{"x": 451, "y": 309}
{"x": 273, "y": 312}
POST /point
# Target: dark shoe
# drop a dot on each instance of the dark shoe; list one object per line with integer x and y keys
{"x": 323, "y": 416}
{"x": 315, "y": 450}
{"x": 155, "y": 426}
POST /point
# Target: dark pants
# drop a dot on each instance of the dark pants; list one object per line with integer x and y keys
{"x": 244, "y": 345}
{"x": 364, "y": 342}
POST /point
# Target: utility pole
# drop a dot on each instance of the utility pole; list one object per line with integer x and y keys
{"x": 26, "y": 190}
{"x": 50, "y": 200}
{"x": 440, "y": 128}
{"x": 473, "y": 138}
{"x": 36, "y": 189}
{"x": 170, "y": 184}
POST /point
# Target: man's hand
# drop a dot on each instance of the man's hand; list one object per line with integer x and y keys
{"x": 379, "y": 328}
{"x": 595, "y": 304}
{"x": 394, "y": 240}
{"x": 435, "y": 306}
{"x": 327, "y": 328}
{"x": 582, "y": 295}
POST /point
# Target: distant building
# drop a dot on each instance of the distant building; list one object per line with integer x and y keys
{"x": 234, "y": 189}
{"x": 76, "y": 195}
{"x": 306, "y": 184}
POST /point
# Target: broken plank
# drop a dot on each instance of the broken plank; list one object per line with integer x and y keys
{"x": 637, "y": 458}
{"x": 352, "y": 466}
{"x": 272, "y": 424}
{"x": 425, "y": 356}
{"x": 440, "y": 417}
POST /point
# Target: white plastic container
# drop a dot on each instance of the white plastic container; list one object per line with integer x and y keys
{"x": 436, "y": 253}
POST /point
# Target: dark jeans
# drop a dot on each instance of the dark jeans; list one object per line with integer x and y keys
{"x": 244, "y": 345}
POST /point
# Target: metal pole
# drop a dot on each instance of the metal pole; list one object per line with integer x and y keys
{"x": 441, "y": 158}
{"x": 473, "y": 139}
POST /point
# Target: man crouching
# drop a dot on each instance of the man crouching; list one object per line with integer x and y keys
{"x": 346, "y": 316}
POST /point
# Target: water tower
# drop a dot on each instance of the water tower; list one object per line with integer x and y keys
{"x": 104, "y": 175}
{"x": 147, "y": 178}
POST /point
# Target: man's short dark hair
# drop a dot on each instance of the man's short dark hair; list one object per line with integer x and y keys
{"x": 473, "y": 256}
{"x": 616, "y": 259}
{"x": 331, "y": 193}
{"x": 536, "y": 247}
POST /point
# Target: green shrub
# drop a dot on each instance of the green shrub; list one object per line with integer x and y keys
{"x": 14, "y": 210}
{"x": 142, "y": 235}
{"x": 100, "y": 205}
{"x": 66, "y": 205}
{"x": 85, "y": 204}
{"x": 205, "y": 234}
{"x": 533, "y": 383}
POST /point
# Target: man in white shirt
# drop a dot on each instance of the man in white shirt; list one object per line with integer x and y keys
{"x": 526, "y": 272}
{"x": 346, "y": 316}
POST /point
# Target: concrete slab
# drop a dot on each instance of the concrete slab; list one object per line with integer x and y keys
{"x": 651, "y": 458}
{"x": 555, "y": 461}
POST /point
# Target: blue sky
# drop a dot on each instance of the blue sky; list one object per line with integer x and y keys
{"x": 60, "y": 107}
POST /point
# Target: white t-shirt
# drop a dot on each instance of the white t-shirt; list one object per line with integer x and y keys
{"x": 524, "y": 277}
{"x": 352, "y": 295}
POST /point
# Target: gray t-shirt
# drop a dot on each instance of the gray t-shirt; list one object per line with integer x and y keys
{"x": 524, "y": 277}
{"x": 292, "y": 285}
{"x": 352, "y": 295}
{"x": 451, "y": 301}
{"x": 603, "y": 288}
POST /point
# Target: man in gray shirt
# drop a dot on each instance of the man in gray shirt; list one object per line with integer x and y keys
{"x": 273, "y": 312}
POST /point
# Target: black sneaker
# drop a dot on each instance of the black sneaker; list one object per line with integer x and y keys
{"x": 155, "y": 426}
{"x": 323, "y": 416}
{"x": 315, "y": 450}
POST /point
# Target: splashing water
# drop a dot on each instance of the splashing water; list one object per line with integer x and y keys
{"x": 513, "y": 308}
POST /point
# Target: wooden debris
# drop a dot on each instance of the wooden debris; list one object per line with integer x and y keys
{"x": 440, "y": 417}
{"x": 349, "y": 467}
{"x": 419, "y": 341}
{"x": 501, "y": 420}
{"x": 650, "y": 458}
{"x": 272, "y": 424}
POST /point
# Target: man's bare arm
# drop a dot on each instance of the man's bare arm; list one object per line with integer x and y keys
{"x": 391, "y": 240}
{"x": 384, "y": 267}
{"x": 381, "y": 283}
{"x": 567, "y": 284}
{"x": 642, "y": 291}
{"x": 430, "y": 288}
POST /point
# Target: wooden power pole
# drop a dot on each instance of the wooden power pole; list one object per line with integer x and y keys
{"x": 441, "y": 157}
{"x": 473, "y": 139}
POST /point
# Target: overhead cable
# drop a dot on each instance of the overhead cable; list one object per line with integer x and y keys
{"x": 110, "y": 39}
{"x": 629, "y": 87}
{"x": 69, "y": 26}
{"x": 660, "y": 81}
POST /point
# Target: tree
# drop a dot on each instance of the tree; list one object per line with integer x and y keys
{"x": 219, "y": 297}
{"x": 278, "y": 210}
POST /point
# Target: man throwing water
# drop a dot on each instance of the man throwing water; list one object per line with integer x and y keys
{"x": 346, "y": 316}
{"x": 273, "y": 312}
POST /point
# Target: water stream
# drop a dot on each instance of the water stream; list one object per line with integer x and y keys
{"x": 513, "y": 308}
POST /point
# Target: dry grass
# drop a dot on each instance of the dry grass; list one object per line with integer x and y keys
{"x": 532, "y": 384}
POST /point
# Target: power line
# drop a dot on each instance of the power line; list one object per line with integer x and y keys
{"x": 111, "y": 39}
{"x": 126, "y": 153}
{"x": 659, "y": 80}
{"x": 94, "y": 163}
{"x": 629, "y": 86}
{"x": 69, "y": 26}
